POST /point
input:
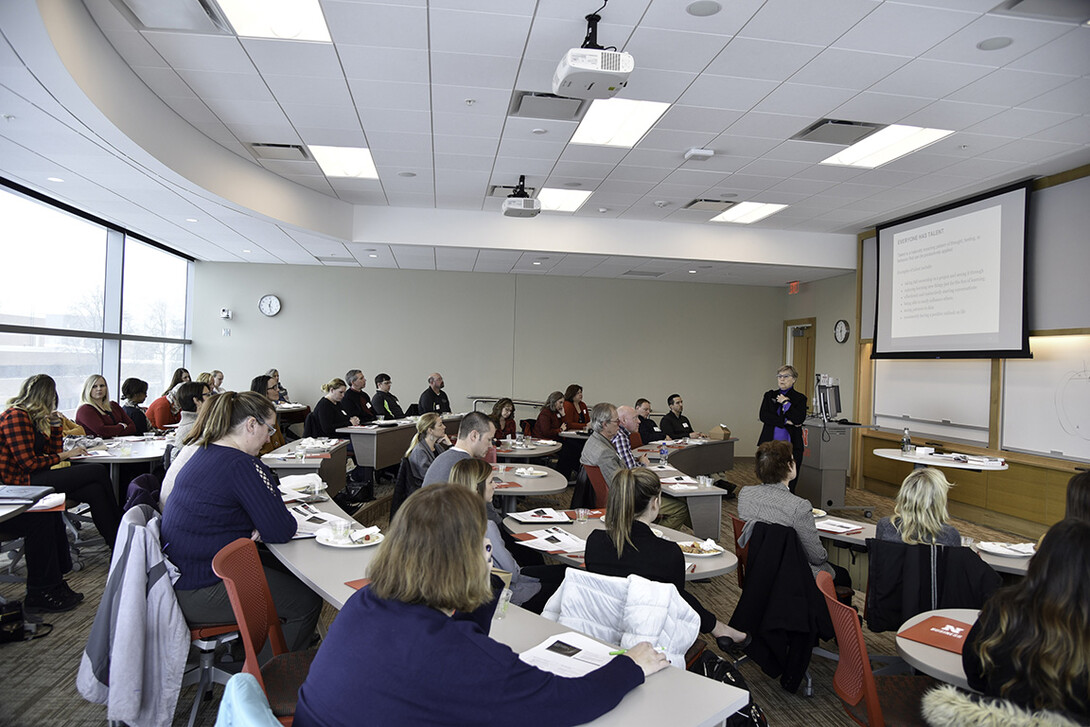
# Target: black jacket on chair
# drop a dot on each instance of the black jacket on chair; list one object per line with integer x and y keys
{"x": 781, "y": 606}
{"x": 900, "y": 577}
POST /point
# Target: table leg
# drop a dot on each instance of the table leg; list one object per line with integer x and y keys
{"x": 509, "y": 503}
{"x": 706, "y": 514}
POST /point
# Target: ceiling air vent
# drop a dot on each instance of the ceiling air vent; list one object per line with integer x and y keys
{"x": 1065, "y": 11}
{"x": 337, "y": 261}
{"x": 504, "y": 191}
{"x": 280, "y": 152}
{"x": 709, "y": 205}
{"x": 642, "y": 274}
{"x": 545, "y": 106}
{"x": 835, "y": 131}
{"x": 198, "y": 16}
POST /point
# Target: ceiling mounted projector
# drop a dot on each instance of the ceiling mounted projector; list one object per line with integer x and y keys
{"x": 519, "y": 203}
{"x": 592, "y": 71}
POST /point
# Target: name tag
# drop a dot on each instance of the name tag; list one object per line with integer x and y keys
{"x": 657, "y": 429}
{"x": 686, "y": 425}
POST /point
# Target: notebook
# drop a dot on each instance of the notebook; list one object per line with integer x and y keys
{"x": 23, "y": 494}
{"x": 939, "y": 631}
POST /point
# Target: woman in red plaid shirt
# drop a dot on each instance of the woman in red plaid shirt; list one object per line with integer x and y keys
{"x": 30, "y": 446}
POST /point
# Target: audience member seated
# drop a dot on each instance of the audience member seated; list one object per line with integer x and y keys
{"x": 783, "y": 410}
{"x": 649, "y": 431}
{"x": 919, "y": 514}
{"x": 474, "y": 438}
{"x": 186, "y": 447}
{"x": 433, "y": 398}
{"x": 426, "y": 615}
{"x": 1031, "y": 644}
{"x": 674, "y": 513}
{"x": 599, "y": 451}
{"x": 133, "y": 393}
{"x": 1078, "y": 497}
{"x": 430, "y": 441}
{"x": 265, "y": 385}
{"x": 550, "y": 420}
{"x": 356, "y": 401}
{"x": 45, "y": 551}
{"x": 205, "y": 377}
{"x": 628, "y": 547}
{"x": 281, "y": 392}
{"x": 164, "y": 411}
{"x": 773, "y": 503}
{"x": 100, "y": 416}
{"x": 531, "y": 587}
{"x": 31, "y": 447}
{"x": 576, "y": 414}
{"x": 217, "y": 381}
{"x": 328, "y": 414}
{"x": 223, "y": 493}
{"x": 503, "y": 416}
{"x": 384, "y": 403}
{"x": 192, "y": 397}
{"x": 180, "y": 376}
{"x": 676, "y": 425}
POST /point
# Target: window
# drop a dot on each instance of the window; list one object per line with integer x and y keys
{"x": 60, "y": 315}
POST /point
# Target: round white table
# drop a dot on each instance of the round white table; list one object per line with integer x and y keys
{"x": 696, "y": 567}
{"x": 513, "y": 486}
{"x": 508, "y": 450}
{"x": 939, "y": 663}
{"x": 930, "y": 460}
{"x": 140, "y": 450}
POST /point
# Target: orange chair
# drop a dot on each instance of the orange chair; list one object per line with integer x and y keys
{"x": 635, "y": 440}
{"x": 741, "y": 552}
{"x": 239, "y": 565}
{"x": 870, "y": 700}
{"x": 598, "y": 483}
{"x": 206, "y": 672}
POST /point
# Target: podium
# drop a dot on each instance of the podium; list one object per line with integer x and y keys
{"x": 824, "y": 472}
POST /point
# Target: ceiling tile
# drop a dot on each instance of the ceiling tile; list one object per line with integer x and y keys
{"x": 372, "y": 24}
{"x": 455, "y": 31}
{"x": 232, "y": 86}
{"x": 803, "y": 100}
{"x": 924, "y": 78}
{"x": 677, "y": 141}
{"x": 1070, "y": 53}
{"x": 903, "y": 29}
{"x": 649, "y": 84}
{"x": 474, "y": 69}
{"x": 463, "y": 162}
{"x": 293, "y": 58}
{"x": 800, "y": 21}
{"x": 464, "y": 145}
{"x": 192, "y": 52}
{"x": 762, "y": 59}
{"x": 1028, "y": 35}
{"x": 1028, "y": 151}
{"x": 1073, "y": 97}
{"x": 391, "y": 95}
{"x": 761, "y": 125}
{"x": 1075, "y": 131}
{"x": 485, "y": 101}
{"x": 848, "y": 68}
{"x": 1019, "y": 122}
{"x": 411, "y": 122}
{"x": 661, "y": 49}
{"x": 467, "y": 124}
{"x": 724, "y": 92}
{"x": 1008, "y": 87}
{"x": 953, "y": 115}
{"x": 880, "y": 108}
{"x": 697, "y": 118}
{"x": 384, "y": 64}
{"x": 322, "y": 116}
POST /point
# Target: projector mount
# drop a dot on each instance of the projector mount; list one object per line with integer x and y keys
{"x": 591, "y": 40}
{"x": 519, "y": 191}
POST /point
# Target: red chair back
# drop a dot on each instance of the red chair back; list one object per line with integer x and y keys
{"x": 490, "y": 455}
{"x": 853, "y": 679}
{"x": 741, "y": 552}
{"x": 527, "y": 426}
{"x": 635, "y": 440}
{"x": 598, "y": 483}
{"x": 239, "y": 565}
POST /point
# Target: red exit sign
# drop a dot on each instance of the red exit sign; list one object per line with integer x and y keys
{"x": 793, "y": 287}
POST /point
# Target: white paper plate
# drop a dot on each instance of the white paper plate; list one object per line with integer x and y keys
{"x": 1001, "y": 549}
{"x": 324, "y": 536}
{"x": 818, "y": 512}
{"x": 719, "y": 550}
{"x": 535, "y": 474}
{"x": 656, "y": 532}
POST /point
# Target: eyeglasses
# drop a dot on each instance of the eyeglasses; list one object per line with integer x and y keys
{"x": 784, "y": 376}
{"x": 270, "y": 427}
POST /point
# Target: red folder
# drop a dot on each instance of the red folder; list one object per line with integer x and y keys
{"x": 358, "y": 583}
{"x": 940, "y": 632}
{"x": 504, "y": 485}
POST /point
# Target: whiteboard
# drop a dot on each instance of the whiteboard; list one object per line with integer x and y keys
{"x": 1046, "y": 399}
{"x": 948, "y": 398}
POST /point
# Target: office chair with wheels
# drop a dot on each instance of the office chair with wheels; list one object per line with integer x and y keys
{"x": 739, "y": 550}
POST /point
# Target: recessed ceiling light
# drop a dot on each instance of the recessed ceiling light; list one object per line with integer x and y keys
{"x": 692, "y": 272}
{"x": 296, "y": 20}
{"x": 884, "y": 146}
{"x": 535, "y": 263}
{"x": 561, "y": 200}
{"x": 617, "y": 122}
{"x": 603, "y": 210}
{"x": 53, "y": 179}
{"x": 246, "y": 250}
{"x": 345, "y": 161}
{"x": 703, "y": 8}
{"x": 372, "y": 255}
{"x": 406, "y": 174}
{"x": 573, "y": 184}
{"x": 744, "y": 213}
{"x": 540, "y": 131}
{"x": 995, "y": 43}
{"x": 190, "y": 219}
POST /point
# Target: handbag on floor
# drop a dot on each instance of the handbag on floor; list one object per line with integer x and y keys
{"x": 13, "y": 625}
{"x": 715, "y": 667}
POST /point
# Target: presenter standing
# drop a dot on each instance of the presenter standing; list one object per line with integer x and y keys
{"x": 783, "y": 411}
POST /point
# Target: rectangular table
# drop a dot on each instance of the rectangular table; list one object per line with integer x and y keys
{"x": 331, "y": 469}
{"x": 380, "y": 447}
{"x": 708, "y": 457}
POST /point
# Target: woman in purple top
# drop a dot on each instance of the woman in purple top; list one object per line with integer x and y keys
{"x": 783, "y": 410}
{"x": 412, "y": 648}
{"x": 223, "y": 493}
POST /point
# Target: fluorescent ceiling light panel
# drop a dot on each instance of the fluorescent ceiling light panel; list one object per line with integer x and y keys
{"x": 883, "y": 146}
{"x": 562, "y": 200}
{"x": 345, "y": 161}
{"x": 617, "y": 122}
{"x": 277, "y": 19}
{"x": 744, "y": 213}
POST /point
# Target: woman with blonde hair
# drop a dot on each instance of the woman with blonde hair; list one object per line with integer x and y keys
{"x": 532, "y": 586}
{"x": 428, "y": 610}
{"x": 31, "y": 445}
{"x": 429, "y": 442}
{"x": 224, "y": 492}
{"x": 919, "y": 515}
{"x": 1031, "y": 644}
{"x": 217, "y": 381}
{"x": 628, "y": 547}
{"x": 328, "y": 414}
{"x": 100, "y": 416}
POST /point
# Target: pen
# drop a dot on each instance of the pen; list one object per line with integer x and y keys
{"x": 619, "y": 652}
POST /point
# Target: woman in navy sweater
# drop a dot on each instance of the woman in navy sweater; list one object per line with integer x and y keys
{"x": 412, "y": 648}
{"x": 223, "y": 493}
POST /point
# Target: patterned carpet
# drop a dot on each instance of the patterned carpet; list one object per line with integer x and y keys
{"x": 39, "y": 676}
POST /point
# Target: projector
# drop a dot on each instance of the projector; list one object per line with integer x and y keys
{"x": 521, "y": 207}
{"x": 592, "y": 73}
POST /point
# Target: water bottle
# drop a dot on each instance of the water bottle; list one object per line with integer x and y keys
{"x": 906, "y": 443}
{"x": 663, "y": 452}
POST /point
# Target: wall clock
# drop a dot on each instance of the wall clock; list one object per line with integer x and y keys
{"x": 841, "y": 331}
{"x": 269, "y": 305}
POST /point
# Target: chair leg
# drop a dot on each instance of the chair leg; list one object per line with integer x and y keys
{"x": 205, "y": 674}
{"x": 808, "y": 685}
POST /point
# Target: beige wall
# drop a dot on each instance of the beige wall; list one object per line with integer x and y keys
{"x": 492, "y": 334}
{"x": 828, "y": 301}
